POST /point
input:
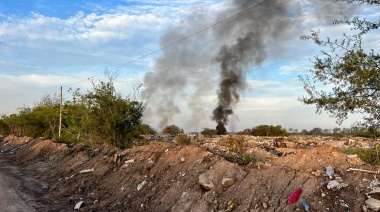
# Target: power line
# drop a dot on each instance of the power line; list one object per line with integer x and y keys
{"x": 178, "y": 41}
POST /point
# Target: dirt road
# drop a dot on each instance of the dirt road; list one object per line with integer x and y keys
{"x": 10, "y": 193}
{"x": 20, "y": 191}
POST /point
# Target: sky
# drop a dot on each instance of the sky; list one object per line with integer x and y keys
{"x": 46, "y": 44}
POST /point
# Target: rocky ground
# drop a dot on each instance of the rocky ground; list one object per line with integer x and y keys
{"x": 164, "y": 176}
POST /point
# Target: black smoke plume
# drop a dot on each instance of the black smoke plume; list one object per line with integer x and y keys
{"x": 187, "y": 72}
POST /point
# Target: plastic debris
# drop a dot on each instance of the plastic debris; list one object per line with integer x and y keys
{"x": 329, "y": 170}
{"x": 141, "y": 185}
{"x": 78, "y": 205}
{"x": 275, "y": 152}
{"x": 294, "y": 196}
{"x": 336, "y": 185}
{"x": 362, "y": 170}
{"x": 373, "y": 204}
{"x": 86, "y": 171}
{"x": 306, "y": 206}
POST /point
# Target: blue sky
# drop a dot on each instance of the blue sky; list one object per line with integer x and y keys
{"x": 45, "y": 44}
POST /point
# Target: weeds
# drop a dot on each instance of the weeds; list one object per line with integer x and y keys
{"x": 183, "y": 139}
{"x": 237, "y": 148}
{"x": 141, "y": 169}
{"x": 369, "y": 156}
{"x": 69, "y": 152}
{"x": 111, "y": 153}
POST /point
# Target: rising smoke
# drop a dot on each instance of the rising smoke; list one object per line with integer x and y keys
{"x": 191, "y": 68}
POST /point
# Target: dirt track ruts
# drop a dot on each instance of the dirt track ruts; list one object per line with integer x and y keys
{"x": 10, "y": 190}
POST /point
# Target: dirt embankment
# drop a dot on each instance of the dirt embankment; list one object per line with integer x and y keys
{"x": 168, "y": 177}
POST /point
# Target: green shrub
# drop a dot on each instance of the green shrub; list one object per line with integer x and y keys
{"x": 183, "y": 139}
{"x": 370, "y": 156}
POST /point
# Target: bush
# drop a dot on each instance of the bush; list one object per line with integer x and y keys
{"x": 238, "y": 148}
{"x": 183, "y": 139}
{"x": 370, "y": 156}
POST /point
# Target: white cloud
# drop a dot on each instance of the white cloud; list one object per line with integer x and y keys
{"x": 296, "y": 67}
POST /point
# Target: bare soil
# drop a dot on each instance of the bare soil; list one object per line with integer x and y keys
{"x": 164, "y": 176}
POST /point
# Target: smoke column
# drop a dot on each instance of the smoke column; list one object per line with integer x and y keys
{"x": 259, "y": 25}
{"x": 221, "y": 57}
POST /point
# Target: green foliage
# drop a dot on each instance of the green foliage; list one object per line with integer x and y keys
{"x": 268, "y": 130}
{"x": 145, "y": 129}
{"x": 370, "y": 156}
{"x": 39, "y": 121}
{"x": 351, "y": 70}
{"x": 100, "y": 115}
{"x": 4, "y": 128}
{"x": 104, "y": 116}
{"x": 111, "y": 153}
{"x": 172, "y": 130}
{"x": 238, "y": 147}
{"x": 207, "y": 132}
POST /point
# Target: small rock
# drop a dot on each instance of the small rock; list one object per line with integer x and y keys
{"x": 364, "y": 208}
{"x": 78, "y": 205}
{"x": 373, "y": 204}
{"x": 265, "y": 205}
{"x": 182, "y": 159}
{"x": 141, "y": 185}
{"x": 227, "y": 182}
{"x": 352, "y": 156}
{"x": 205, "y": 182}
{"x": 318, "y": 173}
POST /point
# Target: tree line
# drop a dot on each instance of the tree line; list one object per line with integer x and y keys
{"x": 100, "y": 115}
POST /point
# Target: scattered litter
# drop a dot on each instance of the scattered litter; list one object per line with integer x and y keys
{"x": 86, "y": 171}
{"x": 373, "y": 204}
{"x": 294, "y": 196}
{"x": 275, "y": 152}
{"x": 130, "y": 161}
{"x": 230, "y": 206}
{"x": 362, "y": 170}
{"x": 78, "y": 205}
{"x": 374, "y": 183}
{"x": 352, "y": 156}
{"x": 290, "y": 153}
{"x": 329, "y": 170}
{"x": 334, "y": 184}
{"x": 141, "y": 185}
{"x": 306, "y": 206}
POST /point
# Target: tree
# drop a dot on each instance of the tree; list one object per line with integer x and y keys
{"x": 103, "y": 115}
{"x": 336, "y": 130}
{"x": 315, "y": 131}
{"x": 147, "y": 130}
{"x": 207, "y": 132}
{"x": 4, "y": 128}
{"x": 269, "y": 130}
{"x": 352, "y": 71}
{"x": 172, "y": 130}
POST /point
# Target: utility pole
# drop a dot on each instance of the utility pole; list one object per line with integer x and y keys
{"x": 60, "y": 115}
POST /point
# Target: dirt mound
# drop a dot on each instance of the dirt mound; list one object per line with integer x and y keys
{"x": 168, "y": 177}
